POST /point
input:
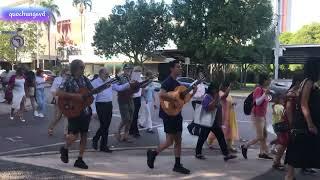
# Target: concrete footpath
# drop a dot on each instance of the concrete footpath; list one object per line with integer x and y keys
{"x": 131, "y": 164}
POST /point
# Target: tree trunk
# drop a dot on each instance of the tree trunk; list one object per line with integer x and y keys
{"x": 245, "y": 69}
{"x": 49, "y": 52}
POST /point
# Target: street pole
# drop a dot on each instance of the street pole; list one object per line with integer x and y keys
{"x": 277, "y": 49}
{"x": 37, "y": 45}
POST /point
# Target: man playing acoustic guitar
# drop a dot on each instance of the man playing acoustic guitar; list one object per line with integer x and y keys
{"x": 80, "y": 124}
{"x": 172, "y": 124}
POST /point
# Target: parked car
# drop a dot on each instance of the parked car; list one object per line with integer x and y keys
{"x": 280, "y": 86}
{"x": 48, "y": 76}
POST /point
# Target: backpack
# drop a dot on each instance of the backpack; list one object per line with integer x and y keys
{"x": 248, "y": 104}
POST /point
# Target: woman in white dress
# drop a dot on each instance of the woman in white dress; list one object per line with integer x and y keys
{"x": 17, "y": 85}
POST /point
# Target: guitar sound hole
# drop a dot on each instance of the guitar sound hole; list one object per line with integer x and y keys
{"x": 67, "y": 106}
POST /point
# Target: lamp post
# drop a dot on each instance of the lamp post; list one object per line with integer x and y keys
{"x": 277, "y": 48}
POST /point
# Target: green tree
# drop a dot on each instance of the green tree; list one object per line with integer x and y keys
{"x": 286, "y": 37}
{"x": 134, "y": 29}
{"x": 7, "y": 52}
{"x": 82, "y": 5}
{"x": 210, "y": 31}
{"x": 54, "y": 11}
{"x": 308, "y": 34}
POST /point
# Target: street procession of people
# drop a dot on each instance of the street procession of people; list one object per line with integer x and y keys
{"x": 295, "y": 119}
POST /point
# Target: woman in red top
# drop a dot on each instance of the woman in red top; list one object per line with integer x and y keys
{"x": 259, "y": 110}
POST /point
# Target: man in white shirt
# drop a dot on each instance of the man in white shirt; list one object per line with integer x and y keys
{"x": 58, "y": 114}
{"x": 103, "y": 102}
{"x": 136, "y": 76}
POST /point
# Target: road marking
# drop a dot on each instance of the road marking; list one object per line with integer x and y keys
{"x": 14, "y": 139}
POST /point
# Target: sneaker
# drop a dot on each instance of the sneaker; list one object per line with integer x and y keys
{"x": 265, "y": 156}
{"x": 227, "y": 158}
{"x": 200, "y": 156}
{"x": 151, "y": 157}
{"x": 41, "y": 115}
{"x": 308, "y": 171}
{"x": 80, "y": 164}
{"x": 11, "y": 117}
{"x": 244, "y": 151}
{"x": 35, "y": 113}
{"x": 181, "y": 169}
{"x": 105, "y": 149}
{"x": 22, "y": 120}
{"x": 64, "y": 155}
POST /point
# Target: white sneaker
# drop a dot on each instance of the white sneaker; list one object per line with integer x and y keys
{"x": 11, "y": 117}
{"x": 36, "y": 113}
{"x": 23, "y": 120}
{"x": 41, "y": 115}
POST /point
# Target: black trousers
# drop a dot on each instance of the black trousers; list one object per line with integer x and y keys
{"x": 134, "y": 125}
{"x": 217, "y": 131}
{"x": 104, "y": 111}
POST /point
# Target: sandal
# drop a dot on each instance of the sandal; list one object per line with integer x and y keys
{"x": 50, "y": 132}
{"x": 200, "y": 156}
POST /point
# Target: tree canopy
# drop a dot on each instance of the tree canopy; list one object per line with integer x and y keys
{"x": 134, "y": 29}
{"x": 210, "y": 30}
{"x": 308, "y": 34}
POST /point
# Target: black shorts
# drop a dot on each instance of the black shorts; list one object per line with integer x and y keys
{"x": 79, "y": 124}
{"x": 172, "y": 125}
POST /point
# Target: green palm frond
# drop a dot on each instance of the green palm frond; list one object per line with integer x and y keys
{"x": 86, "y": 3}
{"x": 53, "y": 8}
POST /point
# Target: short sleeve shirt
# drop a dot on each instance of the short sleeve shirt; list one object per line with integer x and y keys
{"x": 260, "y": 110}
{"x": 169, "y": 85}
{"x": 72, "y": 85}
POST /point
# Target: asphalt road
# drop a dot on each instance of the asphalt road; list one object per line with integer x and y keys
{"x": 31, "y": 137}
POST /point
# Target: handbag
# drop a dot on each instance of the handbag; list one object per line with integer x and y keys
{"x": 194, "y": 129}
{"x": 203, "y": 117}
{"x": 281, "y": 127}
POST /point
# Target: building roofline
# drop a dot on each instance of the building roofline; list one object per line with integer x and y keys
{"x": 301, "y": 46}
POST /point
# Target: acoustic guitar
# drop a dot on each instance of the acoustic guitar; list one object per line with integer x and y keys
{"x": 71, "y": 107}
{"x": 182, "y": 95}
